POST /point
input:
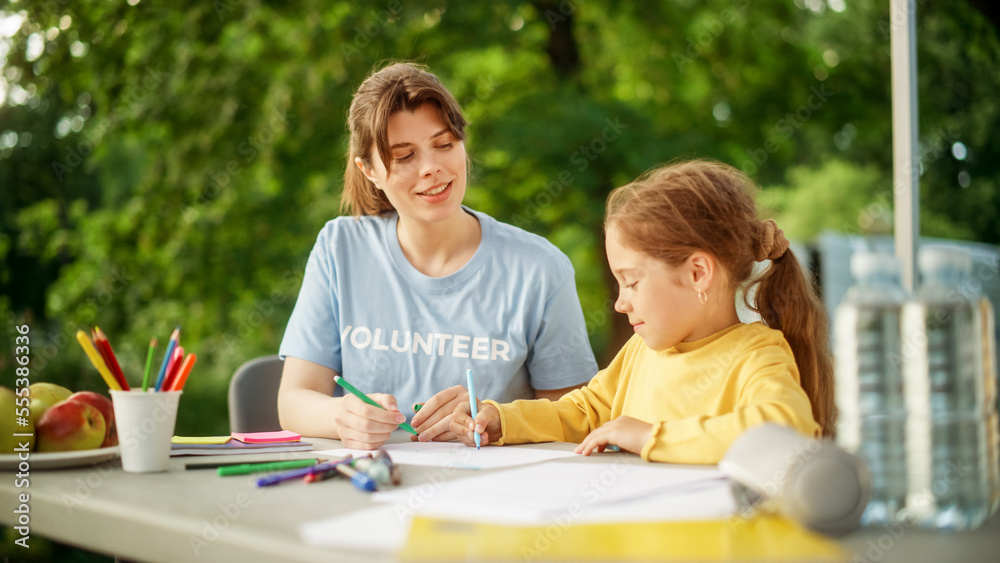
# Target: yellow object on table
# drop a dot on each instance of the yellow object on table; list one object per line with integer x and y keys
{"x": 762, "y": 538}
{"x": 201, "y": 439}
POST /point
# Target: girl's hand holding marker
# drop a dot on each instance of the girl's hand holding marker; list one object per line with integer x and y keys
{"x": 486, "y": 423}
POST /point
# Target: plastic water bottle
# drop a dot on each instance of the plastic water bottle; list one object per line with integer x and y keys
{"x": 951, "y": 476}
{"x": 988, "y": 331}
{"x": 869, "y": 384}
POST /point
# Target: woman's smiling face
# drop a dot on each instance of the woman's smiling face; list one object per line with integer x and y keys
{"x": 427, "y": 180}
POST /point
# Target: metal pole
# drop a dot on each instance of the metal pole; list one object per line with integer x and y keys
{"x": 905, "y": 130}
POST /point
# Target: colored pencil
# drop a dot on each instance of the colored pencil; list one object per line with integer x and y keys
{"x": 172, "y": 368}
{"x": 95, "y": 358}
{"x": 182, "y": 375}
{"x": 149, "y": 362}
{"x": 100, "y": 350}
{"x": 174, "y": 338}
{"x": 116, "y": 369}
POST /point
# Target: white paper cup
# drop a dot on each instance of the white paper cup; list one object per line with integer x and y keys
{"x": 145, "y": 427}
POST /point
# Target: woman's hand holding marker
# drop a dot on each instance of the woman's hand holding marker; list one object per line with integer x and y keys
{"x": 366, "y": 427}
{"x": 487, "y": 423}
{"x": 433, "y": 418}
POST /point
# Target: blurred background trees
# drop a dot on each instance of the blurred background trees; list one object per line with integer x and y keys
{"x": 165, "y": 165}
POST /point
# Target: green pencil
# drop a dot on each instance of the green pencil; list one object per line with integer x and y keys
{"x": 343, "y": 383}
{"x": 149, "y": 362}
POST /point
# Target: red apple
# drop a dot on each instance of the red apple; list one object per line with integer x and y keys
{"x": 70, "y": 425}
{"x": 103, "y": 404}
{"x": 43, "y": 395}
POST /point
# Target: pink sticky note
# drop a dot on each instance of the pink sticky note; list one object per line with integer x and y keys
{"x": 265, "y": 437}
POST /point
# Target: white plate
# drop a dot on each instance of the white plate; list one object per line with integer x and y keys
{"x": 58, "y": 460}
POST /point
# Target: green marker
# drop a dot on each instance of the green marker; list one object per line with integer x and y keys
{"x": 248, "y": 468}
{"x": 343, "y": 383}
{"x": 417, "y": 407}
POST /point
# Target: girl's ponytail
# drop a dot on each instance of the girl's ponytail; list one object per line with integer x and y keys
{"x": 787, "y": 301}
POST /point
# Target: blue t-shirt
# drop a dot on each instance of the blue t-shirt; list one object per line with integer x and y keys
{"x": 511, "y": 314}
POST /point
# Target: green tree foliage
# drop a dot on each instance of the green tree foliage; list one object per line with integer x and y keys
{"x": 171, "y": 164}
{"x": 837, "y": 196}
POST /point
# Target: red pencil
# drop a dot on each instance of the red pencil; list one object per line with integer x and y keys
{"x": 102, "y": 351}
{"x": 110, "y": 359}
{"x": 173, "y": 368}
{"x": 96, "y": 337}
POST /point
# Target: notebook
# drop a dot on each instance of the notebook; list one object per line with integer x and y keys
{"x": 238, "y": 447}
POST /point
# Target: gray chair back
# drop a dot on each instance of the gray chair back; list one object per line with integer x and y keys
{"x": 253, "y": 395}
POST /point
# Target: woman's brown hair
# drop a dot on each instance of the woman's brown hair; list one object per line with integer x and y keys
{"x": 678, "y": 209}
{"x": 398, "y": 87}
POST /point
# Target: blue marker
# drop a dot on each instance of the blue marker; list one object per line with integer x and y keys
{"x": 361, "y": 481}
{"x": 472, "y": 405}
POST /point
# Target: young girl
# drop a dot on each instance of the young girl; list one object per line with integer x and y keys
{"x": 680, "y": 241}
{"x": 415, "y": 288}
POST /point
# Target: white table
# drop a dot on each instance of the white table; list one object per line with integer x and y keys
{"x": 194, "y": 515}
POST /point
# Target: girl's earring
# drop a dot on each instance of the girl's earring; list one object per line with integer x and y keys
{"x": 702, "y": 297}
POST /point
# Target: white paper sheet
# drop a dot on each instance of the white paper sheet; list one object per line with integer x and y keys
{"x": 703, "y": 500}
{"x": 454, "y": 454}
{"x": 379, "y": 528}
{"x": 602, "y": 493}
{"x": 544, "y": 492}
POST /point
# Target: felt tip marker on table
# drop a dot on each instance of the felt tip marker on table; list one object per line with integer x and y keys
{"x": 472, "y": 406}
{"x": 316, "y": 477}
{"x": 218, "y": 464}
{"x": 352, "y": 390}
{"x": 382, "y": 456}
{"x": 361, "y": 481}
{"x": 276, "y": 478}
{"x": 248, "y": 468}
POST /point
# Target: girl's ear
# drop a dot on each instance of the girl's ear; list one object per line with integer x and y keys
{"x": 701, "y": 270}
{"x": 368, "y": 173}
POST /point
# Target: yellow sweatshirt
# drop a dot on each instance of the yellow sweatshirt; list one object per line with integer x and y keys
{"x": 699, "y": 396}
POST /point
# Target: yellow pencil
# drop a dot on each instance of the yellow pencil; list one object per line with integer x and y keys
{"x": 95, "y": 358}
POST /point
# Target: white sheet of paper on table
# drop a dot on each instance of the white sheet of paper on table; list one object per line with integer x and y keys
{"x": 542, "y": 492}
{"x": 571, "y": 494}
{"x": 453, "y": 454}
{"x": 703, "y": 500}
{"x": 377, "y": 528}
